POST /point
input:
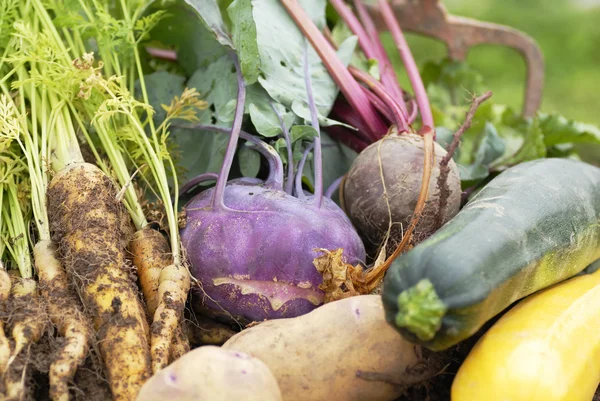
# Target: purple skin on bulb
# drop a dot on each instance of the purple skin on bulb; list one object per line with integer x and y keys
{"x": 258, "y": 263}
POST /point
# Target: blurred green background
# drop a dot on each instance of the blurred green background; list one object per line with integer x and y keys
{"x": 568, "y": 31}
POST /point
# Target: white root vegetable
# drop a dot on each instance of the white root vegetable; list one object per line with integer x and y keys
{"x": 212, "y": 373}
{"x": 343, "y": 351}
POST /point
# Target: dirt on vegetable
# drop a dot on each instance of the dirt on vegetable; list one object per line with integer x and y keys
{"x": 85, "y": 220}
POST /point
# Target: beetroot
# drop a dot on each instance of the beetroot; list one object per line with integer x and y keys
{"x": 409, "y": 160}
{"x": 402, "y": 156}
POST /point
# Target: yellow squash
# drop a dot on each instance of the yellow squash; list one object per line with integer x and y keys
{"x": 547, "y": 348}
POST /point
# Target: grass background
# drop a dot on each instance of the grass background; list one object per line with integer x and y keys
{"x": 568, "y": 31}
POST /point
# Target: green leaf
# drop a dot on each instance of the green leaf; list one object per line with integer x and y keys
{"x": 456, "y": 78}
{"x": 337, "y": 159}
{"x": 210, "y": 14}
{"x": 196, "y": 46}
{"x": 217, "y": 84}
{"x": 373, "y": 68}
{"x": 162, "y": 87}
{"x": 244, "y": 37}
{"x": 524, "y": 140}
{"x": 264, "y": 119}
{"x": 444, "y": 137}
{"x": 249, "y": 161}
{"x": 195, "y": 151}
{"x": 300, "y": 108}
{"x": 559, "y": 130}
{"x": 300, "y": 132}
{"x": 281, "y": 45}
{"x": 490, "y": 148}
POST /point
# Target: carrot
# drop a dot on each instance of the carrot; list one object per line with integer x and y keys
{"x": 66, "y": 314}
{"x": 28, "y": 324}
{"x": 85, "y": 220}
{"x": 63, "y": 307}
{"x": 151, "y": 253}
{"x": 181, "y": 343}
{"x": 172, "y": 292}
{"x": 5, "y": 347}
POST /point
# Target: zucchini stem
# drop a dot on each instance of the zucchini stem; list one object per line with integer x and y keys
{"x": 420, "y": 310}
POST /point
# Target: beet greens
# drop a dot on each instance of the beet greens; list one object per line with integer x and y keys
{"x": 391, "y": 192}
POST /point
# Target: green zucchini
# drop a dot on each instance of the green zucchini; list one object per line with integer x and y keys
{"x": 535, "y": 224}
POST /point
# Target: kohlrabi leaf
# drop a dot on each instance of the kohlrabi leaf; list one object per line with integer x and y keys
{"x": 299, "y": 132}
{"x": 195, "y": 151}
{"x": 210, "y": 13}
{"x": 337, "y": 159}
{"x": 244, "y": 38}
{"x": 249, "y": 161}
{"x": 300, "y": 108}
{"x": 195, "y": 45}
{"x": 265, "y": 120}
{"x": 443, "y": 136}
{"x": 281, "y": 47}
{"x": 162, "y": 88}
{"x": 281, "y": 147}
{"x": 217, "y": 84}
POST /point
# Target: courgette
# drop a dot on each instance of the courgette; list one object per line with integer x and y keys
{"x": 535, "y": 224}
{"x": 546, "y": 348}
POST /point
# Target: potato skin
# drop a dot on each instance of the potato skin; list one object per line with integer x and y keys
{"x": 212, "y": 373}
{"x": 317, "y": 356}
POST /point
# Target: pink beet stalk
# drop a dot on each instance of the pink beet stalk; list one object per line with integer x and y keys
{"x": 350, "y": 19}
{"x": 380, "y": 91}
{"x": 388, "y": 75}
{"x": 349, "y": 87}
{"x": 409, "y": 63}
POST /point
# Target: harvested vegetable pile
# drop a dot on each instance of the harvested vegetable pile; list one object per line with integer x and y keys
{"x": 238, "y": 200}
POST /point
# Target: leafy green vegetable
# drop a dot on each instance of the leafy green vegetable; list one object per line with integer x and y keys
{"x": 244, "y": 37}
{"x": 196, "y": 46}
{"x": 498, "y": 137}
{"x": 210, "y": 13}
{"x": 280, "y": 48}
{"x": 249, "y": 161}
{"x": 270, "y": 49}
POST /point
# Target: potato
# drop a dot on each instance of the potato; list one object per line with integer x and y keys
{"x": 343, "y": 351}
{"x": 212, "y": 373}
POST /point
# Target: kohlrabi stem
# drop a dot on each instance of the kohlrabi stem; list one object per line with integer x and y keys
{"x": 384, "y": 95}
{"x": 197, "y": 180}
{"x": 409, "y": 63}
{"x": 386, "y": 70}
{"x": 289, "y": 181}
{"x": 219, "y": 197}
{"x": 349, "y": 87}
{"x": 299, "y": 191}
{"x": 314, "y": 116}
{"x": 333, "y": 187}
{"x": 275, "y": 178}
